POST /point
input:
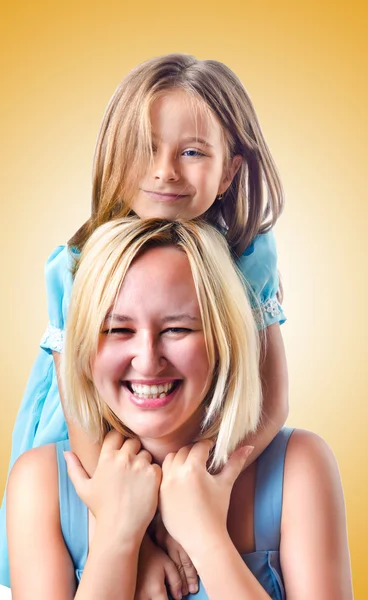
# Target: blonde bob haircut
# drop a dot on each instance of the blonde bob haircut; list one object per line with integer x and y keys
{"x": 231, "y": 408}
{"x": 254, "y": 200}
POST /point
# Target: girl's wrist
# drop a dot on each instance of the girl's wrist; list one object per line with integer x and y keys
{"x": 115, "y": 541}
{"x": 205, "y": 544}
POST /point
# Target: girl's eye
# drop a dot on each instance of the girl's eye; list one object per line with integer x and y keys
{"x": 193, "y": 153}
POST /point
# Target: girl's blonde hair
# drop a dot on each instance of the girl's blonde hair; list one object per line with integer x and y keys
{"x": 233, "y": 403}
{"x": 254, "y": 200}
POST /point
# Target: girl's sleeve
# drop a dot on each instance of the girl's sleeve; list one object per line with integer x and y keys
{"x": 258, "y": 264}
{"x": 58, "y": 285}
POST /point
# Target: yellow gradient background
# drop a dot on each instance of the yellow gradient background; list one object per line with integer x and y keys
{"x": 305, "y": 66}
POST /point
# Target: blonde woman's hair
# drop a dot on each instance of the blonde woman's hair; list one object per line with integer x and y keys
{"x": 232, "y": 405}
{"x": 254, "y": 200}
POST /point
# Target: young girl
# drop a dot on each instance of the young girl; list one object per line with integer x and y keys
{"x": 180, "y": 138}
{"x": 172, "y": 369}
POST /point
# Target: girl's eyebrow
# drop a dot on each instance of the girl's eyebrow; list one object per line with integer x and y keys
{"x": 197, "y": 140}
{"x": 188, "y": 140}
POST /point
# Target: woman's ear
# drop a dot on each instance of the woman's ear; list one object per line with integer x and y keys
{"x": 229, "y": 173}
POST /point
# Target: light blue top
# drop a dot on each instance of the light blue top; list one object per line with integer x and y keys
{"x": 264, "y": 562}
{"x": 40, "y": 419}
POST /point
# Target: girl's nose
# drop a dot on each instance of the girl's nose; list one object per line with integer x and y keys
{"x": 166, "y": 167}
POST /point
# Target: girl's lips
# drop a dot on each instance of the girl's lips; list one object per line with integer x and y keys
{"x": 152, "y": 403}
{"x": 164, "y": 197}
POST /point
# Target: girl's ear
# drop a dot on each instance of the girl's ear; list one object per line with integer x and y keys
{"x": 230, "y": 172}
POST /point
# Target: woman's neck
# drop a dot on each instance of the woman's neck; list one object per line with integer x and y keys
{"x": 160, "y": 447}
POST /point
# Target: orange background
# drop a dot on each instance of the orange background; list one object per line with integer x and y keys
{"x": 305, "y": 66}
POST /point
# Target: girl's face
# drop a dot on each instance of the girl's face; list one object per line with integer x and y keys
{"x": 188, "y": 169}
{"x": 152, "y": 367}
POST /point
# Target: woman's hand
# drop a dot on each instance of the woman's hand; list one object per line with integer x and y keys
{"x": 123, "y": 492}
{"x": 185, "y": 568}
{"x": 193, "y": 503}
{"x": 154, "y": 569}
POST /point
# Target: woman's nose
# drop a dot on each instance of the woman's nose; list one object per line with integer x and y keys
{"x": 148, "y": 359}
{"x": 166, "y": 167}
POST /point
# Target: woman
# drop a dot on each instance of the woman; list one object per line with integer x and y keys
{"x": 162, "y": 348}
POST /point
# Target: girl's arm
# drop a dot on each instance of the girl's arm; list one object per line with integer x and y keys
{"x": 275, "y": 391}
{"x": 123, "y": 497}
{"x": 194, "y": 506}
{"x": 156, "y": 569}
{"x": 275, "y": 410}
{"x": 314, "y": 550}
{"x": 258, "y": 265}
{"x": 87, "y": 451}
{"x": 314, "y": 546}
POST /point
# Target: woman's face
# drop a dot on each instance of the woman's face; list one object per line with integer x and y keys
{"x": 152, "y": 367}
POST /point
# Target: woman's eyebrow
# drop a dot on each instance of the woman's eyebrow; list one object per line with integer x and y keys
{"x": 180, "y": 317}
{"x": 111, "y": 316}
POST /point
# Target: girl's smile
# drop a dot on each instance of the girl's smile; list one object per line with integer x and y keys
{"x": 151, "y": 367}
{"x": 164, "y": 197}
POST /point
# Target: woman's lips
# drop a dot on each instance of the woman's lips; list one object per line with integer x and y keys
{"x": 152, "y": 403}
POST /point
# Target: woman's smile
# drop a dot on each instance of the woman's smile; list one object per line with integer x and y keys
{"x": 152, "y": 397}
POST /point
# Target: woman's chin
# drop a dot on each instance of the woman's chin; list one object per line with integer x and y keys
{"x": 153, "y": 431}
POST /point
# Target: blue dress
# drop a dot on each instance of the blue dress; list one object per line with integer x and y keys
{"x": 40, "y": 419}
{"x": 264, "y": 562}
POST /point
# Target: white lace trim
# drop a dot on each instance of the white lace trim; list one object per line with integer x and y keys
{"x": 53, "y": 338}
{"x": 271, "y": 307}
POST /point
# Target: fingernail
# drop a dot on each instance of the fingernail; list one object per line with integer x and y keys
{"x": 193, "y": 588}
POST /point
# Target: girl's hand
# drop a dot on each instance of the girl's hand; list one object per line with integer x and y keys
{"x": 123, "y": 492}
{"x": 185, "y": 567}
{"x": 154, "y": 569}
{"x": 193, "y": 503}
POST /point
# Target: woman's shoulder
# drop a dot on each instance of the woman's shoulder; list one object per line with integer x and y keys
{"x": 33, "y": 494}
{"x": 311, "y": 475}
{"x": 307, "y": 447}
{"x": 36, "y": 471}
{"x": 36, "y": 545}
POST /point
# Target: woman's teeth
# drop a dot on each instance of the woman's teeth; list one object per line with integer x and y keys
{"x": 152, "y": 391}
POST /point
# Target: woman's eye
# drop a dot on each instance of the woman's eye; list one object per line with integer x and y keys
{"x": 193, "y": 153}
{"x": 177, "y": 330}
{"x": 117, "y": 331}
